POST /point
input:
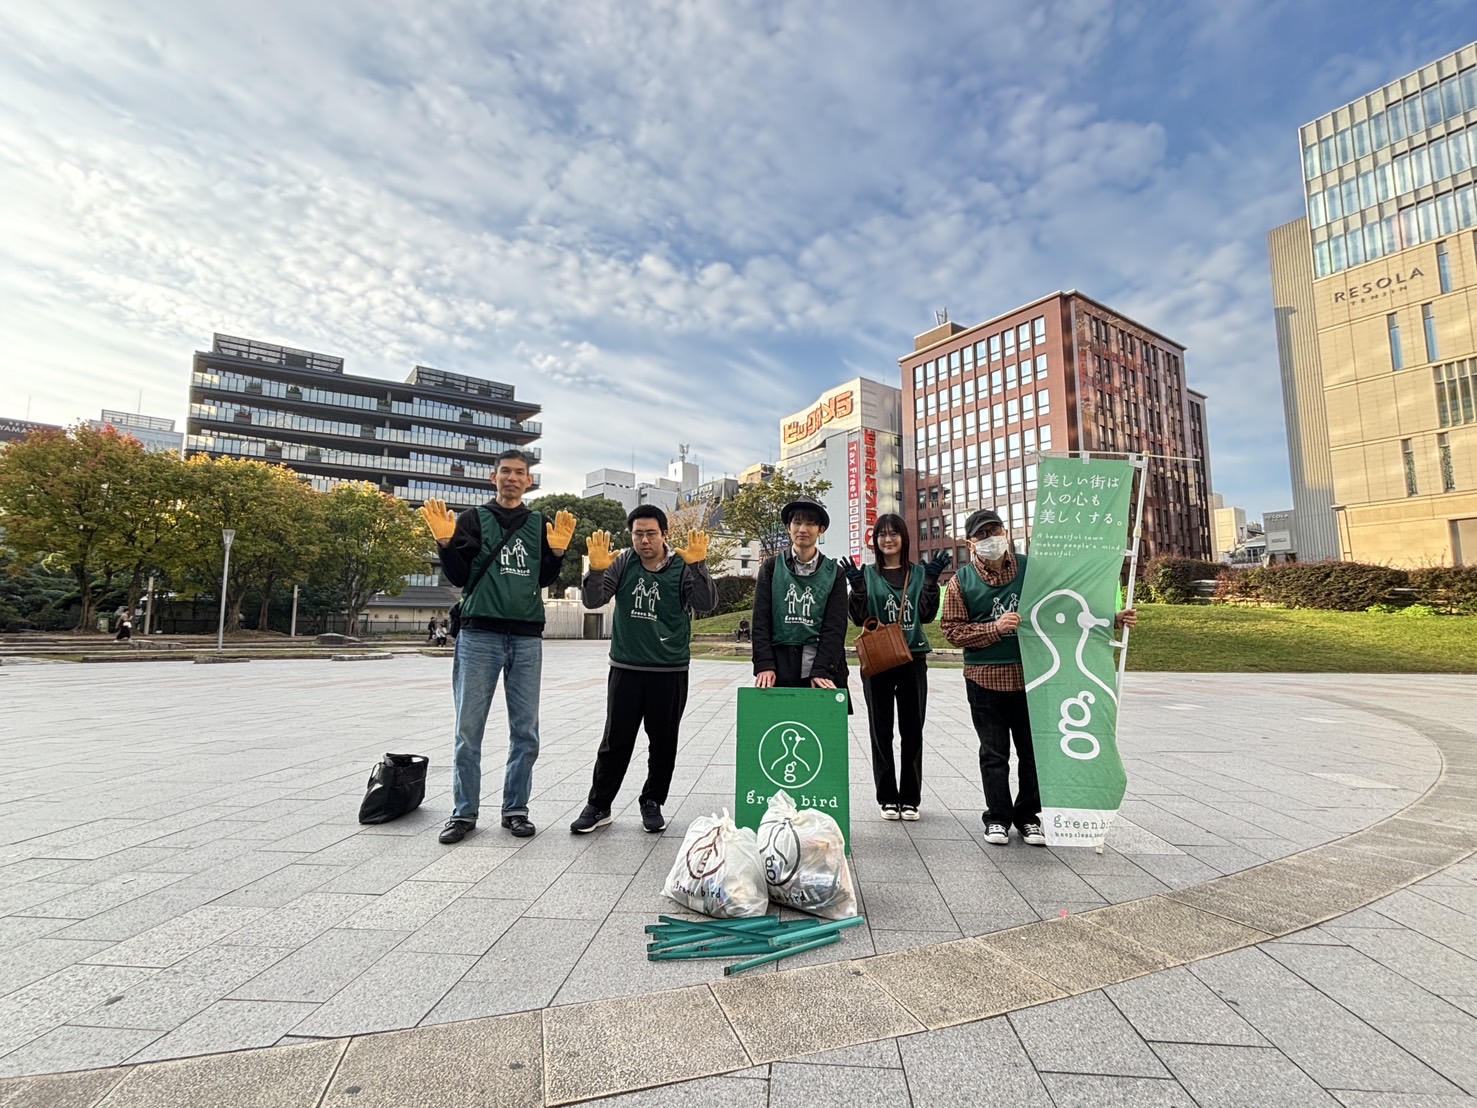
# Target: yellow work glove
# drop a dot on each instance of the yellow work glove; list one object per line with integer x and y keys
{"x": 439, "y": 518}
{"x": 561, "y": 532}
{"x": 697, "y": 548}
{"x": 601, "y": 556}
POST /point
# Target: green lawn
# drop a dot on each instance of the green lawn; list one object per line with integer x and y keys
{"x": 1195, "y": 638}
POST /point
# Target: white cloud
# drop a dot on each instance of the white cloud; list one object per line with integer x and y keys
{"x": 664, "y": 222}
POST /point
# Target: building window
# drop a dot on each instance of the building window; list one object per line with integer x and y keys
{"x": 969, "y": 392}
{"x": 918, "y": 377}
{"x": 1409, "y": 455}
{"x": 954, "y": 396}
{"x": 1012, "y": 411}
{"x": 958, "y": 427}
{"x": 1448, "y": 475}
{"x": 1046, "y": 438}
{"x": 918, "y": 408}
{"x": 1428, "y": 321}
{"x": 1392, "y": 324}
{"x": 1043, "y": 402}
{"x": 997, "y": 415}
{"x": 1010, "y": 378}
{"x": 996, "y": 382}
{"x": 1443, "y": 267}
{"x": 968, "y": 358}
{"x": 929, "y": 367}
{"x": 1023, "y": 332}
{"x": 1038, "y": 326}
{"x": 1455, "y": 388}
{"x": 969, "y": 428}
{"x": 1010, "y": 343}
{"x": 994, "y": 348}
{"x": 933, "y": 401}
{"x": 1028, "y": 406}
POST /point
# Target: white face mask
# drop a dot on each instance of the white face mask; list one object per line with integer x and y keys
{"x": 993, "y": 548}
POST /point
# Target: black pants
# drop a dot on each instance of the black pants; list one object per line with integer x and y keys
{"x": 998, "y": 718}
{"x": 634, "y": 696}
{"x": 907, "y": 687}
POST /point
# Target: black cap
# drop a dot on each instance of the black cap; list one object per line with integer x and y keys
{"x": 979, "y": 520}
{"x": 811, "y": 505}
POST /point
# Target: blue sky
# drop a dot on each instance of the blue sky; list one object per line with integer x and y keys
{"x": 667, "y": 221}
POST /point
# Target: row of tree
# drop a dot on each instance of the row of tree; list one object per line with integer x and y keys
{"x": 95, "y": 506}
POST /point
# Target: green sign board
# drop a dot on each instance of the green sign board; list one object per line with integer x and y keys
{"x": 795, "y": 740}
{"x": 1068, "y": 601}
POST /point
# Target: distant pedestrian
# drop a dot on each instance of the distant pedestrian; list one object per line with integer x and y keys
{"x": 125, "y": 629}
{"x": 657, "y": 590}
{"x": 502, "y": 555}
{"x": 438, "y": 633}
{"x": 431, "y": 631}
{"x": 895, "y": 589}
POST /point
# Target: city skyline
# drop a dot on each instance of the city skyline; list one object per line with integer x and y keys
{"x": 664, "y": 226}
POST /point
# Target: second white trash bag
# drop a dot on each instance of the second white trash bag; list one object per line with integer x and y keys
{"x": 804, "y": 857}
{"x": 718, "y": 871}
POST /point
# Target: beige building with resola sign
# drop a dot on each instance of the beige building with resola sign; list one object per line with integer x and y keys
{"x": 851, "y": 437}
{"x": 1376, "y": 300}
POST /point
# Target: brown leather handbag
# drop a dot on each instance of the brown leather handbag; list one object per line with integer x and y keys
{"x": 881, "y": 647}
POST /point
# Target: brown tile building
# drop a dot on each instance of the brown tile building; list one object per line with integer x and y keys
{"x": 982, "y": 404}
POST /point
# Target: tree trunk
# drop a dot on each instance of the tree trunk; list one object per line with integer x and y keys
{"x": 84, "y": 593}
{"x": 264, "y": 613}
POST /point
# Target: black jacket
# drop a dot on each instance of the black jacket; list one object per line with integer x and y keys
{"x": 830, "y": 654}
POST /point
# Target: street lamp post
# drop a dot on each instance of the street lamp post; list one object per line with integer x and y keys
{"x": 227, "y": 536}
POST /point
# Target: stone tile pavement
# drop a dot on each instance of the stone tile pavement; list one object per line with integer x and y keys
{"x": 181, "y": 873}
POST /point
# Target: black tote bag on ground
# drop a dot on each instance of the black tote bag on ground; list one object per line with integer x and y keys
{"x": 396, "y": 785}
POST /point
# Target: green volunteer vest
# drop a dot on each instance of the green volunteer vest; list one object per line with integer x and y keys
{"x": 988, "y": 602}
{"x": 509, "y": 589}
{"x": 798, "y": 604}
{"x": 651, "y": 628}
{"x": 887, "y": 603}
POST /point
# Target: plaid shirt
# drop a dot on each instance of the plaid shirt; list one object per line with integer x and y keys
{"x": 962, "y": 632}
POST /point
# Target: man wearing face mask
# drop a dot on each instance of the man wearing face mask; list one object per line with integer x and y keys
{"x": 981, "y": 614}
{"x": 657, "y": 590}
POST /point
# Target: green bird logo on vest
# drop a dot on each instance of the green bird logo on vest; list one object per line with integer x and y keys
{"x": 514, "y": 559}
{"x": 644, "y": 598}
{"x": 803, "y": 601}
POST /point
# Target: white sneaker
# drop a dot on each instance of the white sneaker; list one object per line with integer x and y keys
{"x": 910, "y": 813}
{"x": 997, "y": 834}
{"x": 889, "y": 811}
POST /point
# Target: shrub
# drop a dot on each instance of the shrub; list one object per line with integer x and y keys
{"x": 735, "y": 594}
{"x": 1448, "y": 588}
{"x": 1335, "y": 586}
{"x": 1169, "y": 580}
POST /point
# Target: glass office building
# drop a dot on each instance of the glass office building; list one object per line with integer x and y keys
{"x": 433, "y": 436}
{"x": 1375, "y": 295}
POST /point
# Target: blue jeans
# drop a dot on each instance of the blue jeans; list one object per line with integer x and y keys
{"x": 481, "y": 656}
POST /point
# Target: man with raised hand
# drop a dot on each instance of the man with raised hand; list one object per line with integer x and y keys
{"x": 982, "y": 615}
{"x": 502, "y": 555}
{"x": 657, "y": 591}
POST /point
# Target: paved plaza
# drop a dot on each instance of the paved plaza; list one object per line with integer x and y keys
{"x": 182, "y": 875}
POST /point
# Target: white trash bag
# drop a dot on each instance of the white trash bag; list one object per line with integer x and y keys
{"x": 718, "y": 871}
{"x": 804, "y": 857}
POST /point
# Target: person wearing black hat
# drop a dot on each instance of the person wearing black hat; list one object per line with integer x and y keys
{"x": 656, "y": 590}
{"x": 895, "y": 589}
{"x": 799, "y": 620}
{"x": 981, "y": 615}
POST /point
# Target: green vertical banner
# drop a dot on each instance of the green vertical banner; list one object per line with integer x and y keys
{"x": 1068, "y": 601}
{"x": 795, "y": 740}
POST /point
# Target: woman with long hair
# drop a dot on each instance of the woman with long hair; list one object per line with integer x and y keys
{"x": 895, "y": 589}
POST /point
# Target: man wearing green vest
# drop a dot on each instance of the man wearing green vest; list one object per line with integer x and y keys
{"x": 657, "y": 591}
{"x": 799, "y": 621}
{"x": 502, "y": 555}
{"x": 981, "y": 615}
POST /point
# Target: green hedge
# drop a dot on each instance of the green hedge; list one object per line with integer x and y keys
{"x": 1332, "y": 586}
{"x": 1448, "y": 588}
{"x": 735, "y": 594}
{"x": 1168, "y": 580}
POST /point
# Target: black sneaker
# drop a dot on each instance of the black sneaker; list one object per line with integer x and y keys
{"x": 591, "y": 818}
{"x": 456, "y": 830}
{"x": 521, "y": 826}
{"x": 1031, "y": 834}
{"x": 651, "y": 817}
